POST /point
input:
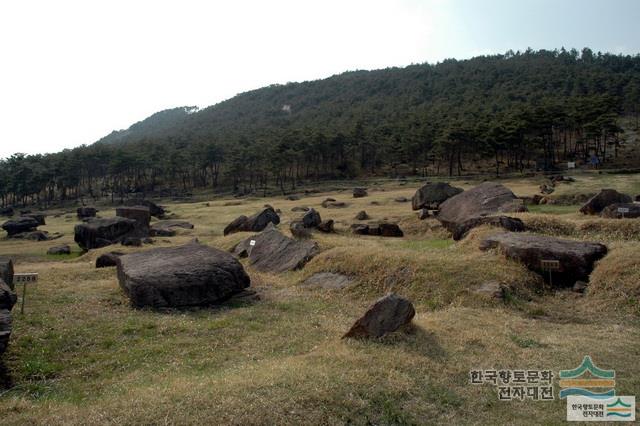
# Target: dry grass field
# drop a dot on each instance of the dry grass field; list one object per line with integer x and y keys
{"x": 81, "y": 355}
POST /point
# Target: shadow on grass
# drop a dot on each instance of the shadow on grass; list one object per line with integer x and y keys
{"x": 415, "y": 339}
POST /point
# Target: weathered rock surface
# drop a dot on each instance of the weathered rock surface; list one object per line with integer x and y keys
{"x": 7, "y": 300}
{"x": 38, "y": 217}
{"x": 188, "y": 275}
{"x": 166, "y": 228}
{"x": 274, "y": 252}
{"x": 381, "y": 229}
{"x": 326, "y": 226}
{"x": 140, "y": 214}
{"x": 311, "y": 219}
{"x": 432, "y": 194}
{"x": 84, "y": 212}
{"x": 63, "y": 249}
{"x": 606, "y": 197}
{"x": 298, "y": 230}
{"x": 108, "y": 259}
{"x": 386, "y": 315}
{"x": 6, "y": 271}
{"x": 611, "y": 211}
{"x": 576, "y": 257}
{"x": 35, "y": 236}
{"x": 19, "y": 225}
{"x": 327, "y": 281}
{"x": 461, "y": 212}
{"x": 359, "y": 192}
{"x": 362, "y": 215}
{"x": 509, "y": 223}
{"x": 255, "y": 223}
{"x": 326, "y": 202}
{"x": 154, "y": 210}
{"x": 98, "y": 233}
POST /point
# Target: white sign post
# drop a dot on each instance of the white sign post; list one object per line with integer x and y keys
{"x": 571, "y": 165}
{"x": 25, "y": 278}
{"x": 623, "y": 210}
{"x": 252, "y": 244}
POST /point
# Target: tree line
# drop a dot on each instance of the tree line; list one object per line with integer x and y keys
{"x": 504, "y": 113}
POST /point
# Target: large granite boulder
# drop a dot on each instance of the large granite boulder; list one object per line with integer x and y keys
{"x": 255, "y": 223}
{"x": 386, "y": 315}
{"x": 189, "y": 275}
{"x": 85, "y": 212}
{"x": 576, "y": 258}
{"x": 602, "y": 199}
{"x": 631, "y": 210}
{"x": 154, "y": 210}
{"x": 6, "y": 271}
{"x": 98, "y": 233}
{"x": 19, "y": 225}
{"x": 167, "y": 228}
{"x": 431, "y": 195}
{"x": 140, "y": 214}
{"x": 7, "y": 300}
{"x": 274, "y": 252}
{"x": 461, "y": 212}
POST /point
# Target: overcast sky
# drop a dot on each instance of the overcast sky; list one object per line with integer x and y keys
{"x": 73, "y": 71}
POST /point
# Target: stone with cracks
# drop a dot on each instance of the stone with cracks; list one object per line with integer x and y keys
{"x": 255, "y": 223}
{"x": 300, "y": 209}
{"x": 431, "y": 195}
{"x": 19, "y": 225}
{"x": 606, "y": 197}
{"x": 386, "y": 315}
{"x": 98, "y": 233}
{"x": 38, "y": 217}
{"x": 311, "y": 219}
{"x": 6, "y": 211}
{"x": 576, "y": 257}
{"x": 461, "y": 212}
{"x": 611, "y": 211}
{"x": 274, "y": 252}
{"x": 189, "y": 275}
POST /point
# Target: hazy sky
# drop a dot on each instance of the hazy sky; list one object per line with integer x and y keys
{"x": 73, "y": 71}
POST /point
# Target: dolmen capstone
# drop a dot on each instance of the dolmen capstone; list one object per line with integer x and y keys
{"x": 189, "y": 275}
{"x": 576, "y": 258}
{"x": 255, "y": 223}
{"x": 96, "y": 233}
{"x": 629, "y": 211}
{"x": 84, "y": 212}
{"x": 606, "y": 197}
{"x": 386, "y": 315}
{"x": 484, "y": 204}
{"x": 20, "y": 225}
{"x": 274, "y": 252}
{"x": 431, "y": 195}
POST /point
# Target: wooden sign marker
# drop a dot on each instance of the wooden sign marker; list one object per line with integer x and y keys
{"x": 25, "y": 278}
{"x": 550, "y": 265}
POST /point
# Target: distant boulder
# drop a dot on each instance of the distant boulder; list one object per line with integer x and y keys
{"x": 6, "y": 271}
{"x": 98, "y": 233}
{"x": 386, "y": 315}
{"x": 58, "y": 250}
{"x": 38, "y": 217}
{"x": 140, "y": 214}
{"x": 327, "y": 281}
{"x": 166, "y": 228}
{"x": 401, "y": 199}
{"x": 6, "y": 211}
{"x": 509, "y": 223}
{"x": 359, "y": 192}
{"x": 462, "y": 212}
{"x": 188, "y": 275}
{"x": 311, "y": 219}
{"x": 326, "y": 202}
{"x": 255, "y": 223}
{"x": 362, "y": 215}
{"x": 300, "y": 209}
{"x": 326, "y": 226}
{"x": 632, "y": 210}
{"x": 431, "y": 195}
{"x": 19, "y": 225}
{"x": 84, "y": 212}
{"x": 274, "y": 252}
{"x": 336, "y": 205}
{"x": 298, "y": 230}
{"x": 154, "y": 210}
{"x": 606, "y": 197}
{"x": 292, "y": 197}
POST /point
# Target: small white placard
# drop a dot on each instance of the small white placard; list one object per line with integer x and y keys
{"x": 28, "y": 277}
{"x": 571, "y": 165}
{"x": 623, "y": 209}
{"x": 613, "y": 409}
{"x": 252, "y": 243}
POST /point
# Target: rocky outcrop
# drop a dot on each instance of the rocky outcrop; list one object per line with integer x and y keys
{"x": 576, "y": 258}
{"x": 462, "y": 212}
{"x": 629, "y": 211}
{"x": 362, "y": 215}
{"x": 604, "y": 198}
{"x": 274, "y": 252}
{"x": 386, "y": 315}
{"x": 431, "y": 195}
{"x": 188, "y": 275}
{"x": 97, "y": 233}
{"x": 255, "y": 223}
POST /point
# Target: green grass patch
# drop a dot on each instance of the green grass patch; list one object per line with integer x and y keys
{"x": 553, "y": 209}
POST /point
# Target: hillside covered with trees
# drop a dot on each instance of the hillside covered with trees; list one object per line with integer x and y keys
{"x": 504, "y": 113}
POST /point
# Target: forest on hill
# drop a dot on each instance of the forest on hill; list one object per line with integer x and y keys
{"x": 512, "y": 112}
